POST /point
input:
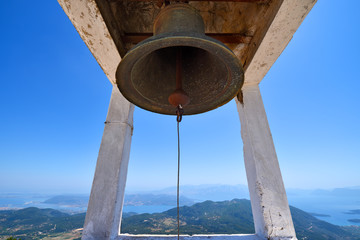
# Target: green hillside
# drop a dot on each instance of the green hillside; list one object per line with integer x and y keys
{"x": 207, "y": 217}
{"x": 229, "y": 217}
{"x": 35, "y": 223}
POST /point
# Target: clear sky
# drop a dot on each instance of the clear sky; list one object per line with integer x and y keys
{"x": 54, "y": 99}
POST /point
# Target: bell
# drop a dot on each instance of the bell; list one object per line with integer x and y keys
{"x": 179, "y": 65}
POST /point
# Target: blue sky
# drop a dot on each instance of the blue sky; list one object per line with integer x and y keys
{"x": 54, "y": 99}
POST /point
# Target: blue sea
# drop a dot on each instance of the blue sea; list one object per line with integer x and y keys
{"x": 20, "y": 200}
{"x": 335, "y": 207}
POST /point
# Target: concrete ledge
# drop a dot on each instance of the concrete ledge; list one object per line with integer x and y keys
{"x": 287, "y": 20}
{"x": 188, "y": 237}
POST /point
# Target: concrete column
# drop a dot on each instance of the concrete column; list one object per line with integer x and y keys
{"x": 103, "y": 217}
{"x": 269, "y": 203}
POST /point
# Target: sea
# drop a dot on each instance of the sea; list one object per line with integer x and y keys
{"x": 335, "y": 208}
{"x": 10, "y": 201}
{"x": 332, "y": 209}
{"x": 24, "y": 200}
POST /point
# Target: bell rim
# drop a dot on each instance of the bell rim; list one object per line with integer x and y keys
{"x": 182, "y": 39}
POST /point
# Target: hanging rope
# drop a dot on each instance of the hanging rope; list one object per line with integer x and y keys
{"x": 179, "y": 113}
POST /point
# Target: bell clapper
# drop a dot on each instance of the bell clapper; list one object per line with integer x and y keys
{"x": 179, "y": 97}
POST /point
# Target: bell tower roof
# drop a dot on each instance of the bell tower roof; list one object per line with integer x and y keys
{"x": 256, "y": 30}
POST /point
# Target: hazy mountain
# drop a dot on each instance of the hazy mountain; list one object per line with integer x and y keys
{"x": 71, "y": 200}
{"x": 209, "y": 192}
{"x": 218, "y": 192}
{"x": 155, "y": 199}
{"x": 130, "y": 200}
{"x": 198, "y": 193}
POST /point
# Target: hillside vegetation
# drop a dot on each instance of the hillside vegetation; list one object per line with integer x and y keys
{"x": 226, "y": 217}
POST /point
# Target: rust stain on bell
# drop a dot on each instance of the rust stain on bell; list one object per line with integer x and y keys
{"x": 210, "y": 74}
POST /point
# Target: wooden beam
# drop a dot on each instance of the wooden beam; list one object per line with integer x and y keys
{"x": 222, "y": 37}
{"x": 263, "y": 22}
{"x": 114, "y": 30}
{"x": 245, "y": 1}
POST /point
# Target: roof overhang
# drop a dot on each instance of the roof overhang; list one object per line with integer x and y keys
{"x": 256, "y": 30}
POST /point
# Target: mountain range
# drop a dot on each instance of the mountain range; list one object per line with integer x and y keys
{"x": 145, "y": 199}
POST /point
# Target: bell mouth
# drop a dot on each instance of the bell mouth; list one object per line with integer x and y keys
{"x": 212, "y": 74}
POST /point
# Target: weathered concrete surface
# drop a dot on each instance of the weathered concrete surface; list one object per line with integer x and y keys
{"x": 103, "y": 217}
{"x": 187, "y": 237}
{"x": 86, "y": 18}
{"x": 286, "y": 22}
{"x": 269, "y": 203}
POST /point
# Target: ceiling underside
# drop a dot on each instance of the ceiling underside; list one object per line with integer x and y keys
{"x": 256, "y": 30}
{"x": 240, "y": 24}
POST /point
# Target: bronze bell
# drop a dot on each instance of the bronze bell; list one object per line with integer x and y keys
{"x": 179, "y": 65}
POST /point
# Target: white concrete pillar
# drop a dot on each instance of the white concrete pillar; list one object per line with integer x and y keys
{"x": 269, "y": 203}
{"x": 103, "y": 217}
